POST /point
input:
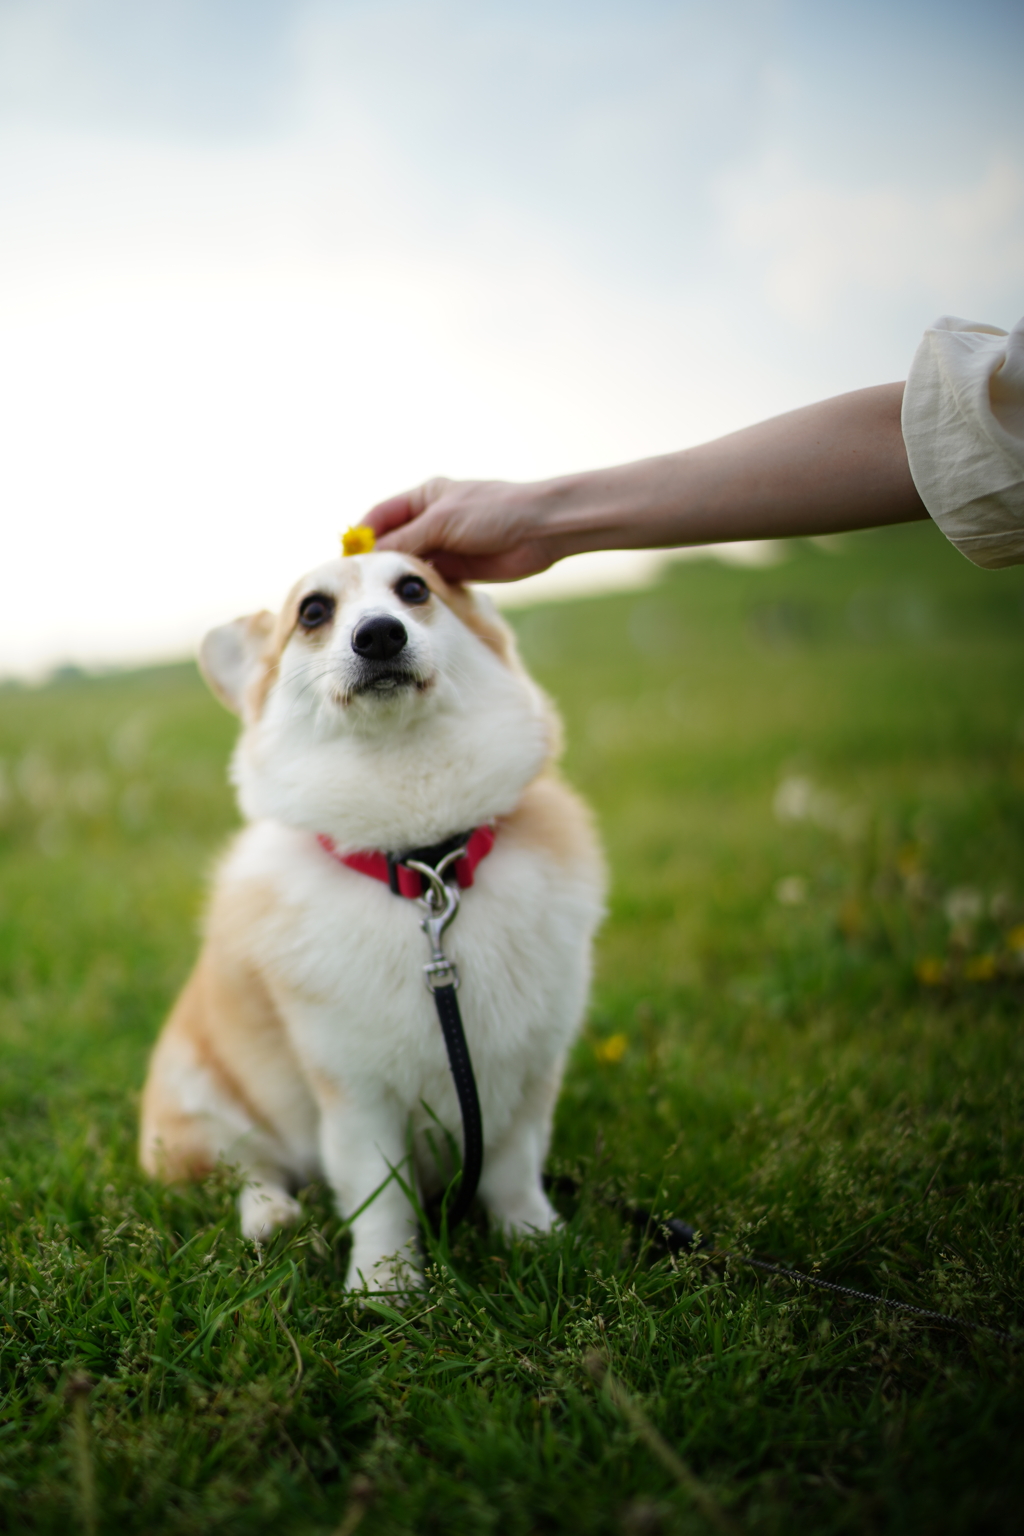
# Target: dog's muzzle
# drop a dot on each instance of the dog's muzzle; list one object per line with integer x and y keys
{"x": 378, "y": 641}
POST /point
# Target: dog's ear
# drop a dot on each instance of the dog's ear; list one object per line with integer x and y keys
{"x": 231, "y": 655}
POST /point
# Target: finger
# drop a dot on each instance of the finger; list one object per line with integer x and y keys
{"x": 420, "y": 535}
{"x": 403, "y": 508}
{"x": 391, "y": 513}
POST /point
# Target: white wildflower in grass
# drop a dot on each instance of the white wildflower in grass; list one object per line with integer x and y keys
{"x": 793, "y": 799}
{"x": 798, "y": 798}
{"x": 37, "y": 781}
{"x": 963, "y": 906}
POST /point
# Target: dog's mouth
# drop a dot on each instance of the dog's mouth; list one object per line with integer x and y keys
{"x": 379, "y": 680}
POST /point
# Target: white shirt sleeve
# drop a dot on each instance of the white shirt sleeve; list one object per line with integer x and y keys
{"x": 963, "y": 424}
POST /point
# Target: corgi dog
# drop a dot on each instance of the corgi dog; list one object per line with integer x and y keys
{"x": 383, "y": 710}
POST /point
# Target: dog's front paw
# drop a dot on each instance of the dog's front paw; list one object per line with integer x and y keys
{"x": 393, "y": 1273}
{"x": 263, "y": 1209}
{"x": 527, "y": 1216}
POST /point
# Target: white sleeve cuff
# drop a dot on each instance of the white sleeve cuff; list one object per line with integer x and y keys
{"x": 963, "y": 424}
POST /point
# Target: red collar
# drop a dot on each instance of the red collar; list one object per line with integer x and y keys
{"x": 409, "y": 882}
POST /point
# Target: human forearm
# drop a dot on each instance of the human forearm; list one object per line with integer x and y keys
{"x": 836, "y": 465}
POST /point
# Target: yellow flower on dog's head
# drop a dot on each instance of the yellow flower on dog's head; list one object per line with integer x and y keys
{"x": 358, "y": 541}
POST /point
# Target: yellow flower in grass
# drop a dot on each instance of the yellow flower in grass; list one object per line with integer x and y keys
{"x": 1015, "y": 940}
{"x": 611, "y": 1050}
{"x": 980, "y": 968}
{"x": 931, "y": 972}
{"x": 358, "y": 541}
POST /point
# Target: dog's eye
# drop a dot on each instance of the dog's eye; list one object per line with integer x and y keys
{"x": 412, "y": 589}
{"x": 315, "y": 610}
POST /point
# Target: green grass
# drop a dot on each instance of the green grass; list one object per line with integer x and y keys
{"x": 834, "y": 1080}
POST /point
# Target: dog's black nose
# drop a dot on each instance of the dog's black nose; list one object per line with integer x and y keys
{"x": 379, "y": 637}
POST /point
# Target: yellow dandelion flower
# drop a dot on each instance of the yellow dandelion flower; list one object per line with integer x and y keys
{"x": 358, "y": 541}
{"x": 611, "y": 1050}
{"x": 1015, "y": 939}
{"x": 931, "y": 972}
{"x": 980, "y": 968}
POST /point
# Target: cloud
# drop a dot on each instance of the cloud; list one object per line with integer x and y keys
{"x": 194, "y": 68}
{"x": 821, "y": 242}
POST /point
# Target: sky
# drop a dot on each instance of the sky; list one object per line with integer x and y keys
{"x": 264, "y": 262}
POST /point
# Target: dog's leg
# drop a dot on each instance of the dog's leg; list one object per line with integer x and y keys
{"x": 360, "y": 1144}
{"x": 265, "y": 1205}
{"x": 510, "y": 1185}
{"x": 223, "y": 1087}
{"x": 191, "y": 1122}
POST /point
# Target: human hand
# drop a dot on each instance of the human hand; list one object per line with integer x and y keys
{"x": 471, "y": 530}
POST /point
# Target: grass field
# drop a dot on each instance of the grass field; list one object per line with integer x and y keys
{"x": 805, "y": 1036}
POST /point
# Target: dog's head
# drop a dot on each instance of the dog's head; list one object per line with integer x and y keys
{"x": 377, "y": 668}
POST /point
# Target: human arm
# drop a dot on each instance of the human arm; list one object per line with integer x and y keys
{"x": 837, "y": 465}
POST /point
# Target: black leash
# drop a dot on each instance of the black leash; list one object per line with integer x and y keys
{"x": 966, "y": 1325}
{"x": 676, "y": 1236}
{"x": 436, "y": 866}
{"x": 447, "y": 1005}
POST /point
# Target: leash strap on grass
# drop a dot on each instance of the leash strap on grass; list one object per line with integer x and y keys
{"x": 925, "y": 1313}
{"x": 680, "y": 1237}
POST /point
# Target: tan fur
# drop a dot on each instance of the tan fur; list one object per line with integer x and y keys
{"x": 225, "y": 1015}
{"x": 174, "y": 1145}
{"x": 489, "y": 627}
{"x": 492, "y": 631}
{"x": 256, "y": 695}
{"x": 551, "y": 817}
{"x": 277, "y": 632}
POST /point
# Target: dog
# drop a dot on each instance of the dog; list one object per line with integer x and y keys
{"x": 383, "y": 710}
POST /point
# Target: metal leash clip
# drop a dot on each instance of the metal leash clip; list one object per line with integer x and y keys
{"x": 440, "y": 902}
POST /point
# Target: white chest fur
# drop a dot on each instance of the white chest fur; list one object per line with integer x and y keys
{"x": 343, "y": 957}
